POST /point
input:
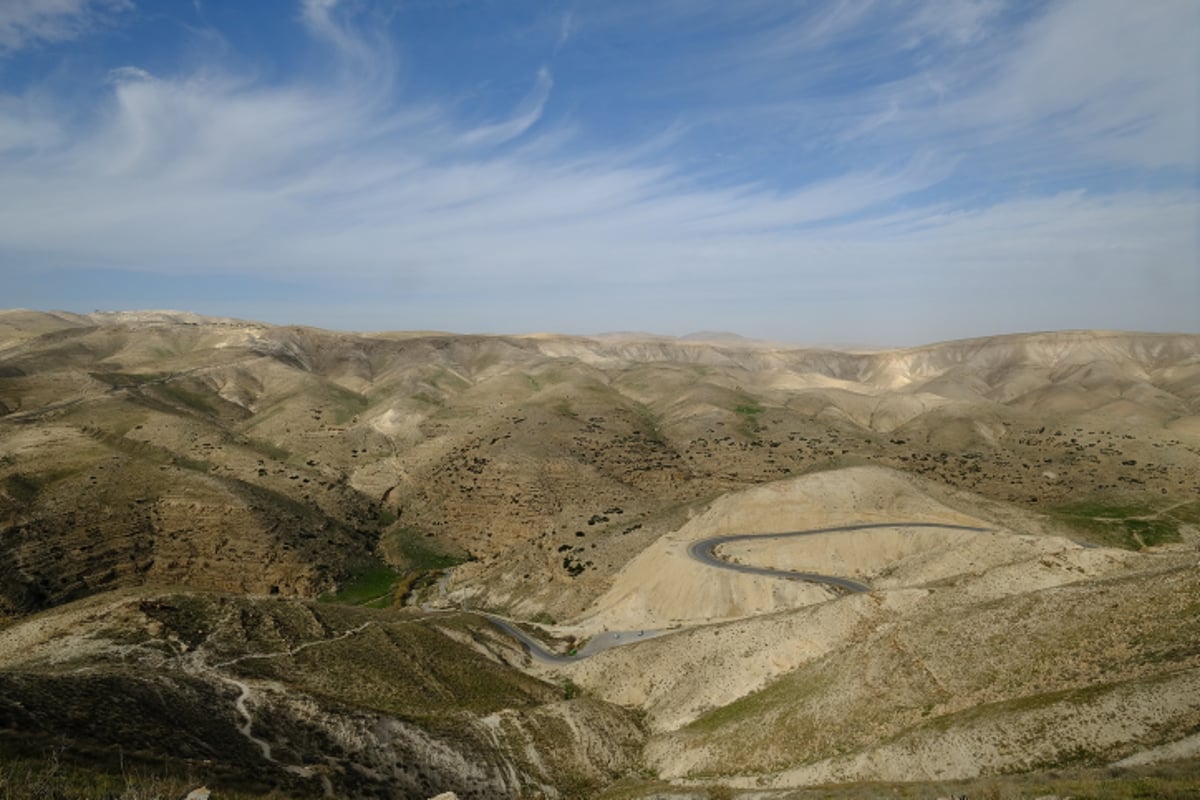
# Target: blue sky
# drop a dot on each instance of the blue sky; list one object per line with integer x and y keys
{"x": 852, "y": 171}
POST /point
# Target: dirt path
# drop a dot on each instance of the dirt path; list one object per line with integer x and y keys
{"x": 242, "y": 703}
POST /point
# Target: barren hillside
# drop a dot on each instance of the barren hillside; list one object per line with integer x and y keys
{"x": 157, "y": 461}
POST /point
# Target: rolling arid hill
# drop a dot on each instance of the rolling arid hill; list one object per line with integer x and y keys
{"x": 280, "y": 560}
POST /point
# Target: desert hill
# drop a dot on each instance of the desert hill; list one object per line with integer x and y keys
{"x": 518, "y": 452}
{"x": 228, "y": 465}
{"x": 305, "y": 698}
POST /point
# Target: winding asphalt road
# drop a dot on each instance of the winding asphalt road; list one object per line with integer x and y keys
{"x": 596, "y": 644}
{"x": 704, "y": 551}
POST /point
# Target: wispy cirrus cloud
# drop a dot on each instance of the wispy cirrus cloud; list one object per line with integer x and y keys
{"x": 1096, "y": 76}
{"x": 1100, "y": 79}
{"x": 525, "y": 116}
{"x": 960, "y": 22}
{"x": 843, "y": 204}
{"x": 24, "y": 23}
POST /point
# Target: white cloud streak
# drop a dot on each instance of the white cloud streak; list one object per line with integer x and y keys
{"x": 1117, "y": 81}
{"x": 959, "y": 22}
{"x": 525, "y": 117}
{"x": 1099, "y": 81}
{"x": 317, "y": 16}
{"x": 566, "y": 29}
{"x": 181, "y": 175}
{"x": 24, "y": 23}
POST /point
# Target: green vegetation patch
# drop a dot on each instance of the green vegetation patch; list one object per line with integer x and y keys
{"x": 193, "y": 464}
{"x": 188, "y": 398}
{"x": 749, "y": 411}
{"x": 369, "y": 583}
{"x": 1132, "y": 526}
{"x": 346, "y": 404}
{"x": 789, "y": 692}
{"x": 268, "y": 449}
{"x": 125, "y": 380}
{"x": 1184, "y": 512}
{"x": 428, "y": 398}
{"x": 409, "y": 667}
{"x": 415, "y": 551}
{"x": 1019, "y": 705}
{"x": 545, "y": 377}
{"x": 563, "y": 407}
{"x": 651, "y": 425}
{"x": 420, "y": 559}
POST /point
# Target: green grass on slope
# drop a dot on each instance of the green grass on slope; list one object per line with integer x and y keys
{"x": 369, "y": 584}
{"x": 408, "y": 667}
{"x": 376, "y": 583}
{"x": 785, "y": 692}
{"x": 189, "y": 397}
{"x": 406, "y": 664}
{"x": 1131, "y": 526}
{"x": 409, "y": 547}
{"x": 749, "y": 412}
{"x": 346, "y": 404}
{"x": 124, "y": 380}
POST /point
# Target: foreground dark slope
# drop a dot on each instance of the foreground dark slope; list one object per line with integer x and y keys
{"x": 311, "y": 699}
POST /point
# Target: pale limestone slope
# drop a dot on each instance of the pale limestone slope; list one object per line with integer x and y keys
{"x": 663, "y": 586}
{"x": 678, "y": 677}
